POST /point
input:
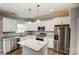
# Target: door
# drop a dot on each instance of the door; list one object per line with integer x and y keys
{"x": 56, "y": 37}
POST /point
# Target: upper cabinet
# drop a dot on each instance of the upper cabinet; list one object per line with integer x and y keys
{"x": 31, "y": 26}
{"x": 49, "y": 24}
{"x": 66, "y": 20}
{"x": 61, "y": 20}
{"x": 9, "y": 25}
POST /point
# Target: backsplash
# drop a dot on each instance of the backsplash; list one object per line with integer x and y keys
{"x": 13, "y": 34}
{"x": 9, "y": 34}
{"x": 37, "y": 32}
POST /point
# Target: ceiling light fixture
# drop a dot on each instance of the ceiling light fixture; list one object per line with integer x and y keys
{"x": 38, "y": 20}
{"x": 30, "y": 14}
{"x": 38, "y": 13}
{"x": 30, "y": 22}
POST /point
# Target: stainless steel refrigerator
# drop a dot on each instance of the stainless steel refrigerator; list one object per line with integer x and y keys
{"x": 62, "y": 38}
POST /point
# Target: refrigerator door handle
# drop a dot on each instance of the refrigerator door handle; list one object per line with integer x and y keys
{"x": 56, "y": 37}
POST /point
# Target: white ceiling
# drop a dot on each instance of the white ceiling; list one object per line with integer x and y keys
{"x": 21, "y": 9}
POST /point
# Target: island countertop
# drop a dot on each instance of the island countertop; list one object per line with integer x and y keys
{"x": 33, "y": 44}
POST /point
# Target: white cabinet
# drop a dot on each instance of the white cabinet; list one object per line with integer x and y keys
{"x": 57, "y": 21}
{"x": 49, "y": 24}
{"x": 49, "y": 27}
{"x": 35, "y": 25}
{"x": 50, "y": 40}
{"x": 9, "y": 25}
{"x": 62, "y": 20}
{"x": 28, "y": 37}
{"x": 27, "y": 25}
{"x": 6, "y": 25}
{"x": 66, "y": 21}
{"x": 31, "y": 27}
{"x": 22, "y": 38}
{"x": 13, "y": 25}
{"x": 51, "y": 43}
{"x": 10, "y": 44}
{"x": 6, "y": 45}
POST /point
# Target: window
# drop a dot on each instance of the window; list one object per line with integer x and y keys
{"x": 20, "y": 28}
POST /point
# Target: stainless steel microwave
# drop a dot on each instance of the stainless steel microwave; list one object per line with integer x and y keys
{"x": 41, "y": 28}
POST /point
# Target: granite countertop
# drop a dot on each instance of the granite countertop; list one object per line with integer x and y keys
{"x": 4, "y": 38}
{"x": 33, "y": 44}
{"x": 30, "y": 36}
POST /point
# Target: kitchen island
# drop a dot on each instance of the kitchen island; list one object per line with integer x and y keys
{"x": 34, "y": 47}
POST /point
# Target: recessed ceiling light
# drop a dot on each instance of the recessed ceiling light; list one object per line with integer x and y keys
{"x": 51, "y": 10}
{"x": 30, "y": 22}
{"x": 38, "y": 20}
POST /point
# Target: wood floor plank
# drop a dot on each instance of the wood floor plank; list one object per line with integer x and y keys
{"x": 19, "y": 52}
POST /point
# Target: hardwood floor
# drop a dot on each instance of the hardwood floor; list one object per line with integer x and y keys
{"x": 19, "y": 52}
{"x": 52, "y": 52}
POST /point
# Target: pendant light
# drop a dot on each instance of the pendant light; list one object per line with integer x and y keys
{"x": 30, "y": 14}
{"x": 30, "y": 22}
{"x": 38, "y": 13}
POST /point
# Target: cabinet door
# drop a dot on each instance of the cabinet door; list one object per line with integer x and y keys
{"x": 14, "y": 43}
{"x": 6, "y": 25}
{"x": 51, "y": 43}
{"x": 14, "y": 25}
{"x": 31, "y": 27}
{"x": 22, "y": 38}
{"x": 66, "y": 21}
{"x": 35, "y": 24}
{"x": 6, "y": 46}
{"x": 9, "y": 25}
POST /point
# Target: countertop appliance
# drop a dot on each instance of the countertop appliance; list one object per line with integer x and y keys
{"x": 62, "y": 38}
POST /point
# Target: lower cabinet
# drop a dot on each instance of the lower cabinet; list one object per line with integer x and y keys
{"x": 10, "y": 44}
{"x": 6, "y": 46}
{"x": 21, "y": 39}
{"x": 50, "y": 40}
{"x": 51, "y": 43}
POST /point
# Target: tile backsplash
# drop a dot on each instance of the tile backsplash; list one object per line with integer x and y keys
{"x": 13, "y": 34}
{"x": 9, "y": 34}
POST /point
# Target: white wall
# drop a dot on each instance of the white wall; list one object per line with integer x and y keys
{"x": 74, "y": 12}
{"x": 1, "y": 34}
{"x": 78, "y": 33}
